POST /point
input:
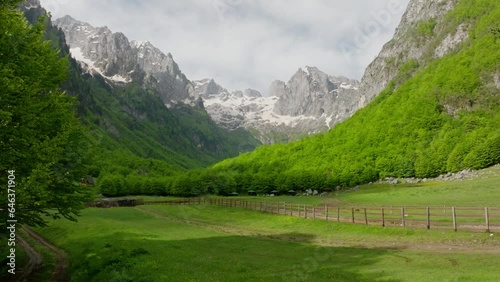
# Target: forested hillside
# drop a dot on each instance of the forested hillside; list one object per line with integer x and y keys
{"x": 136, "y": 139}
{"x": 437, "y": 115}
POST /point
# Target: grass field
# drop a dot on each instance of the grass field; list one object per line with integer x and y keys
{"x": 207, "y": 243}
{"x": 482, "y": 191}
{"x": 213, "y": 243}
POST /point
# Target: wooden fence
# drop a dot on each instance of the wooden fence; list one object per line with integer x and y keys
{"x": 485, "y": 219}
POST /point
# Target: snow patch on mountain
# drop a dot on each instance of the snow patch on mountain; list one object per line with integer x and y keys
{"x": 311, "y": 102}
{"x": 88, "y": 64}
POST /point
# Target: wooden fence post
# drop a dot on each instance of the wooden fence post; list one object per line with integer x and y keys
{"x": 326, "y": 212}
{"x": 338, "y": 214}
{"x": 487, "y": 218}
{"x": 366, "y": 217}
{"x": 305, "y": 211}
{"x": 428, "y": 218}
{"x": 314, "y": 212}
{"x": 454, "y": 215}
{"x": 383, "y": 218}
{"x": 352, "y": 214}
{"x": 403, "y": 216}
{"x": 298, "y": 208}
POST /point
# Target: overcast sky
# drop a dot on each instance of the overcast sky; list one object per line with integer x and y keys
{"x": 249, "y": 43}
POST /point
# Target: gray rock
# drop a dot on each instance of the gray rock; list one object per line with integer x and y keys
{"x": 311, "y": 92}
{"x": 397, "y": 51}
{"x": 304, "y": 106}
{"x": 112, "y": 55}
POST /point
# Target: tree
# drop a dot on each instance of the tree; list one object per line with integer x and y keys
{"x": 40, "y": 137}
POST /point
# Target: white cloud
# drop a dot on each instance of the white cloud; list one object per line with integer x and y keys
{"x": 249, "y": 43}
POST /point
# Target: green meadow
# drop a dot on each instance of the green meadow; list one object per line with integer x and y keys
{"x": 213, "y": 243}
{"x": 209, "y": 243}
{"x": 480, "y": 191}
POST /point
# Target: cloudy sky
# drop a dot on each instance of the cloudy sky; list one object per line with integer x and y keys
{"x": 249, "y": 43}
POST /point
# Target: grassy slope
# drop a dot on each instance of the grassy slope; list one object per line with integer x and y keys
{"x": 481, "y": 191}
{"x": 182, "y": 243}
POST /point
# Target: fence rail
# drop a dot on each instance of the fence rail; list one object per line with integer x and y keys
{"x": 484, "y": 219}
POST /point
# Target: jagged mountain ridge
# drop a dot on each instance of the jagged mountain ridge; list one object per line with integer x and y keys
{"x": 129, "y": 124}
{"x": 313, "y": 93}
{"x": 114, "y": 57}
{"x": 311, "y": 102}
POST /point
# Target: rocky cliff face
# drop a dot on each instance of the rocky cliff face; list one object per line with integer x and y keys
{"x": 416, "y": 38}
{"x": 120, "y": 61}
{"x": 310, "y": 103}
{"x": 312, "y": 93}
{"x": 30, "y": 4}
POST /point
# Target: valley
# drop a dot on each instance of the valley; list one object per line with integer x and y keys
{"x": 126, "y": 169}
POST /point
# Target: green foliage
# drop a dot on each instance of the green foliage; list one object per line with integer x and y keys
{"x": 496, "y": 32}
{"x": 406, "y": 71}
{"x": 426, "y": 27}
{"x": 433, "y": 118}
{"x": 41, "y": 139}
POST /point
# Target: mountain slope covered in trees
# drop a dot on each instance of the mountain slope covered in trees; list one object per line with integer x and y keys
{"x": 132, "y": 119}
{"x": 136, "y": 140}
{"x": 438, "y": 114}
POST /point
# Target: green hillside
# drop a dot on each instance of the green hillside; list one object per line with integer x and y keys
{"x": 136, "y": 140}
{"x": 437, "y": 115}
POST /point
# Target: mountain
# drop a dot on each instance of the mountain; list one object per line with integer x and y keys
{"x": 136, "y": 140}
{"x": 119, "y": 60}
{"x": 311, "y": 92}
{"x": 413, "y": 40}
{"x": 433, "y": 106}
{"x": 312, "y": 102}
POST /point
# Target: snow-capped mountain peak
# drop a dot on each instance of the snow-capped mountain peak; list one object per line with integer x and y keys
{"x": 311, "y": 102}
{"x": 119, "y": 60}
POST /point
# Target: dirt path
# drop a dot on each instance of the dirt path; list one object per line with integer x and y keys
{"x": 34, "y": 260}
{"x": 59, "y": 274}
